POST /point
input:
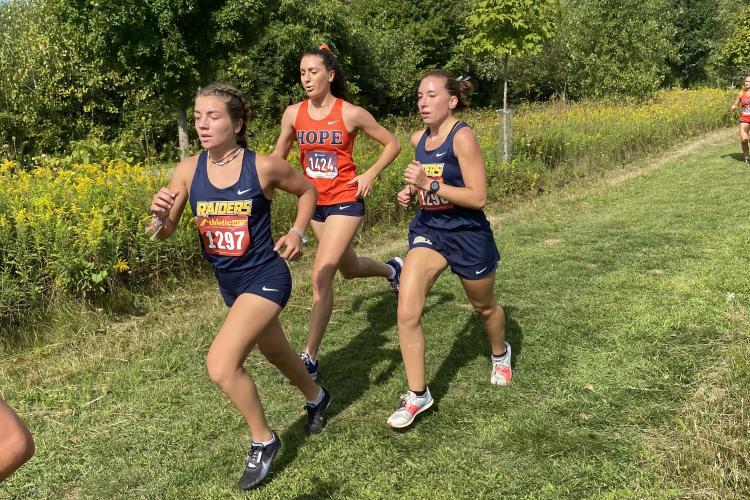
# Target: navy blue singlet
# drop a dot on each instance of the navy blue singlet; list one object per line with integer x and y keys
{"x": 234, "y": 223}
{"x": 442, "y": 164}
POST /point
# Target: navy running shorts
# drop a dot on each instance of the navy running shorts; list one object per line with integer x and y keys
{"x": 352, "y": 208}
{"x": 272, "y": 281}
{"x": 471, "y": 253}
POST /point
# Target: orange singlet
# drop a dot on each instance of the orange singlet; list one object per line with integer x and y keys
{"x": 325, "y": 151}
{"x": 744, "y": 98}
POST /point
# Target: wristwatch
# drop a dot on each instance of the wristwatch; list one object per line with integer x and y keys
{"x": 299, "y": 233}
{"x": 434, "y": 186}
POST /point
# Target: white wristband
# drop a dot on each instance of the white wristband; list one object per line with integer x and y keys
{"x": 156, "y": 225}
{"x": 299, "y": 233}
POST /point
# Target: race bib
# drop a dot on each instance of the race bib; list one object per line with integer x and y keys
{"x": 321, "y": 165}
{"x": 431, "y": 201}
{"x": 226, "y": 235}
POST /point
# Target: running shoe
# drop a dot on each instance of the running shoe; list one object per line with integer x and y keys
{"x": 258, "y": 463}
{"x": 316, "y": 414}
{"x": 501, "y": 368}
{"x": 397, "y": 263}
{"x": 411, "y": 406}
{"x": 312, "y": 368}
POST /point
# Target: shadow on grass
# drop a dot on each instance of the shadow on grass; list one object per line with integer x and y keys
{"x": 321, "y": 489}
{"x": 735, "y": 156}
{"x": 471, "y": 342}
{"x": 346, "y": 371}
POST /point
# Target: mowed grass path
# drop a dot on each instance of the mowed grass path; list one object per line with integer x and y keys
{"x": 621, "y": 294}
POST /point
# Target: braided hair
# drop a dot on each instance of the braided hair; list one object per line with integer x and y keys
{"x": 236, "y": 105}
{"x": 338, "y": 85}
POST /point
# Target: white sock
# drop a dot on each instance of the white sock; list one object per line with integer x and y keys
{"x": 501, "y": 358}
{"x": 319, "y": 399}
{"x": 393, "y": 272}
{"x": 266, "y": 443}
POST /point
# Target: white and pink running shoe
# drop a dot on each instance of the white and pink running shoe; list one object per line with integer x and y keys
{"x": 411, "y": 406}
{"x": 501, "y": 372}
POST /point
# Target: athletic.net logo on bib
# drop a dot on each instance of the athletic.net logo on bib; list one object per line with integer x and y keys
{"x": 431, "y": 201}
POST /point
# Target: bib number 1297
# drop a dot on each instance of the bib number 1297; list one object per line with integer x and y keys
{"x": 226, "y": 235}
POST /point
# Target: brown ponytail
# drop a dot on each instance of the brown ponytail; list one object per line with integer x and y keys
{"x": 459, "y": 87}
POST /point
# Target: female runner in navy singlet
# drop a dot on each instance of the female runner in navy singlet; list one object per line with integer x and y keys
{"x": 230, "y": 190}
{"x": 449, "y": 229}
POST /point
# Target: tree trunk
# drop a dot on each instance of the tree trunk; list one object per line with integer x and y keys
{"x": 182, "y": 135}
{"x": 506, "y": 131}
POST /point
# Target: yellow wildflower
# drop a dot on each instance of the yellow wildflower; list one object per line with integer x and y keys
{"x": 121, "y": 266}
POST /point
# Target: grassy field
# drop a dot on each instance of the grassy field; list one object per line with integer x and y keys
{"x": 626, "y": 299}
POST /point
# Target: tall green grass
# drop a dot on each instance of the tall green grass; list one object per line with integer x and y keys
{"x": 76, "y": 229}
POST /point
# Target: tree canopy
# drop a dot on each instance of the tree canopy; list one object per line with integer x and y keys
{"x": 121, "y": 71}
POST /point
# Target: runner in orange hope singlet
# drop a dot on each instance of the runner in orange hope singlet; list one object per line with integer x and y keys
{"x": 325, "y": 126}
{"x": 743, "y": 100}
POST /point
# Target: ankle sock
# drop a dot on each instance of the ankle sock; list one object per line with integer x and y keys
{"x": 420, "y": 394}
{"x": 319, "y": 399}
{"x": 500, "y": 357}
{"x": 266, "y": 443}
{"x": 393, "y": 272}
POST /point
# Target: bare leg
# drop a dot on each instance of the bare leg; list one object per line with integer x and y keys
{"x": 334, "y": 251}
{"x": 276, "y": 349}
{"x": 744, "y": 138}
{"x": 422, "y": 267}
{"x": 247, "y": 322}
{"x": 481, "y": 294}
{"x": 16, "y": 443}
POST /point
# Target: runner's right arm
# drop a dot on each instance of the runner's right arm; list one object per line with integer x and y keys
{"x": 169, "y": 202}
{"x": 736, "y": 101}
{"x": 286, "y": 135}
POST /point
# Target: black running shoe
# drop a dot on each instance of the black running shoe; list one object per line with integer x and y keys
{"x": 258, "y": 463}
{"x": 316, "y": 415}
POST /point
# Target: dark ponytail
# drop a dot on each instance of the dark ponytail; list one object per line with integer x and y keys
{"x": 460, "y": 87}
{"x": 236, "y": 105}
{"x": 338, "y": 85}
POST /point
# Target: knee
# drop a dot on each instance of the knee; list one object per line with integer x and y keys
{"x": 27, "y": 447}
{"x": 220, "y": 373}
{"x": 744, "y": 140}
{"x": 21, "y": 446}
{"x": 322, "y": 277}
{"x": 487, "y": 310}
{"x": 275, "y": 356}
{"x": 348, "y": 272}
{"x": 408, "y": 315}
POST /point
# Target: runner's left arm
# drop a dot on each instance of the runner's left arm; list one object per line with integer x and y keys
{"x": 275, "y": 172}
{"x": 361, "y": 119}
